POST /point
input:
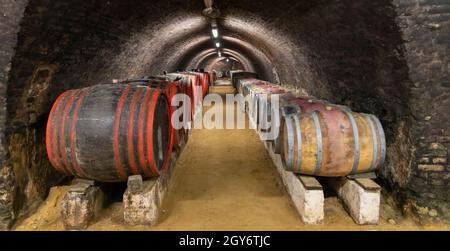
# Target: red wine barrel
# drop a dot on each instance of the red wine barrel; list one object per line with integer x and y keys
{"x": 109, "y": 132}
{"x": 331, "y": 142}
{"x": 306, "y": 104}
{"x": 171, "y": 87}
{"x": 213, "y": 77}
{"x": 191, "y": 83}
{"x": 205, "y": 82}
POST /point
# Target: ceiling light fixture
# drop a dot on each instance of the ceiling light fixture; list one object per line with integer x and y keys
{"x": 215, "y": 32}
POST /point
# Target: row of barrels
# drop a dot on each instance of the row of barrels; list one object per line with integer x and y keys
{"x": 315, "y": 137}
{"x": 108, "y": 132}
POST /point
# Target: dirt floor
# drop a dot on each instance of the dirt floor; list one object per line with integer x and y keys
{"x": 224, "y": 180}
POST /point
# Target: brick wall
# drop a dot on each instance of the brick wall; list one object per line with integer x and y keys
{"x": 11, "y": 12}
{"x": 425, "y": 27}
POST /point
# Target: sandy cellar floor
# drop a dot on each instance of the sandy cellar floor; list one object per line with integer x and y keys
{"x": 224, "y": 180}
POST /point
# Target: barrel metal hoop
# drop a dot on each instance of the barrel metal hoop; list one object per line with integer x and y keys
{"x": 74, "y": 158}
{"x": 120, "y": 168}
{"x": 299, "y": 143}
{"x": 382, "y": 140}
{"x": 319, "y": 143}
{"x": 356, "y": 140}
{"x": 374, "y": 140}
{"x": 64, "y": 149}
{"x": 255, "y": 109}
{"x": 53, "y": 133}
{"x": 131, "y": 128}
{"x": 290, "y": 163}
{"x": 262, "y": 110}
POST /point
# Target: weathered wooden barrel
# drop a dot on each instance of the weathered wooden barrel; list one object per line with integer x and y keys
{"x": 332, "y": 142}
{"x": 250, "y": 88}
{"x": 196, "y": 90}
{"x": 213, "y": 76}
{"x": 171, "y": 84}
{"x": 254, "y": 90}
{"x": 247, "y": 85}
{"x": 170, "y": 87}
{"x": 237, "y": 75}
{"x": 266, "y": 112}
{"x": 109, "y": 132}
{"x": 191, "y": 83}
{"x": 306, "y": 104}
{"x": 205, "y": 81}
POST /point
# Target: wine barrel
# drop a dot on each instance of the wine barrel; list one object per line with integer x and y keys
{"x": 213, "y": 76}
{"x": 190, "y": 83}
{"x": 237, "y": 75}
{"x": 250, "y": 88}
{"x": 205, "y": 81}
{"x": 265, "y": 110}
{"x": 306, "y": 104}
{"x": 254, "y": 89}
{"x": 170, "y": 87}
{"x": 109, "y": 132}
{"x": 333, "y": 142}
{"x": 196, "y": 91}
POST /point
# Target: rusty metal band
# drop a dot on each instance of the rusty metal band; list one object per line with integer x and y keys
{"x": 299, "y": 143}
{"x": 356, "y": 140}
{"x": 290, "y": 162}
{"x": 382, "y": 140}
{"x": 369, "y": 119}
{"x": 319, "y": 142}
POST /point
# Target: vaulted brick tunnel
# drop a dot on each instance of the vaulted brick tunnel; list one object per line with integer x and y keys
{"x": 388, "y": 58}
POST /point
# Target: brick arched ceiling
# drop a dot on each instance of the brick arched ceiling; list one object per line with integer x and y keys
{"x": 385, "y": 57}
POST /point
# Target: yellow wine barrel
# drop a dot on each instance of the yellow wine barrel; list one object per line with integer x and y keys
{"x": 333, "y": 142}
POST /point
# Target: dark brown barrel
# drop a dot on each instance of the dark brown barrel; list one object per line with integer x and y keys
{"x": 332, "y": 142}
{"x": 192, "y": 86}
{"x": 213, "y": 76}
{"x": 170, "y": 88}
{"x": 109, "y": 132}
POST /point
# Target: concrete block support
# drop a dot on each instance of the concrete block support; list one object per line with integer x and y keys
{"x": 306, "y": 192}
{"x": 361, "y": 198}
{"x": 143, "y": 198}
{"x": 141, "y": 201}
{"x": 81, "y": 205}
